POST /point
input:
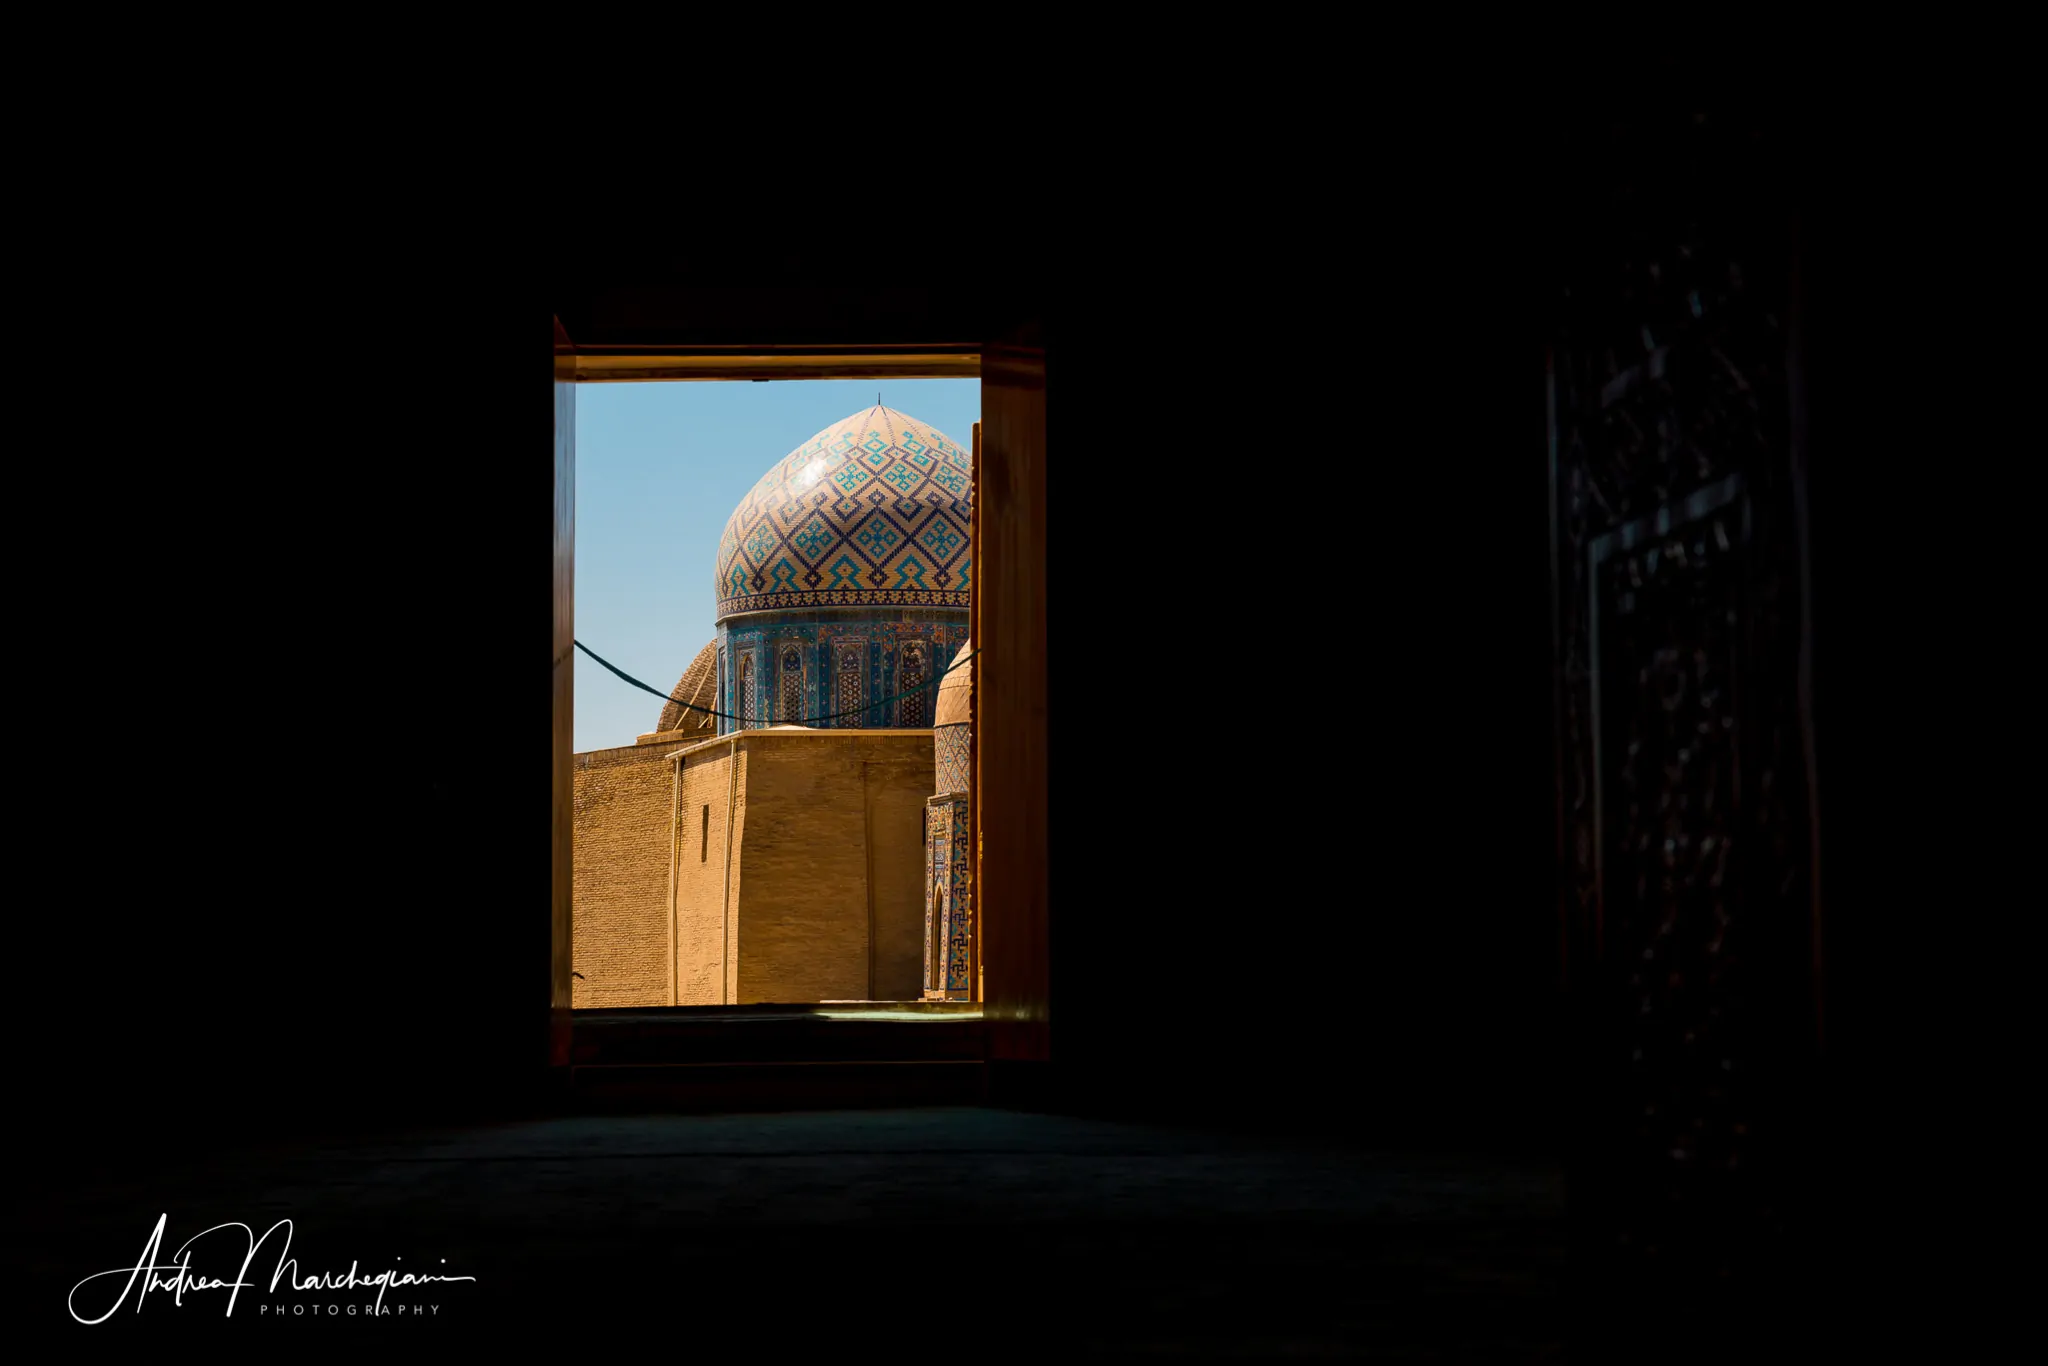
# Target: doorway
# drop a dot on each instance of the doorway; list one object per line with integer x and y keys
{"x": 579, "y": 364}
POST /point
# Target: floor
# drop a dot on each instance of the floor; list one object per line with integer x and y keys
{"x": 944, "y": 1232}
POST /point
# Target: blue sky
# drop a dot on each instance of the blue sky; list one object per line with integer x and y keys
{"x": 659, "y": 467}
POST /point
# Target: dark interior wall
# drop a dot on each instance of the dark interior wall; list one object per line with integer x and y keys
{"x": 335, "y": 573}
{"x": 1335, "y": 402}
{"x": 1906, "y": 373}
{"x": 1394, "y": 514}
{"x": 312, "y": 576}
{"x": 1342, "y": 456}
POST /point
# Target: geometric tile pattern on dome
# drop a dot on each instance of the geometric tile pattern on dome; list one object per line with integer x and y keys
{"x": 874, "y": 511}
{"x": 952, "y": 751}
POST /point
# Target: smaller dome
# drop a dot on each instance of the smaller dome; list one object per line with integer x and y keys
{"x": 954, "y": 689}
{"x": 952, "y": 736}
{"x": 698, "y": 687}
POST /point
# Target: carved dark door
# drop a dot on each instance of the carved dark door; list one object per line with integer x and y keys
{"x": 1689, "y": 907}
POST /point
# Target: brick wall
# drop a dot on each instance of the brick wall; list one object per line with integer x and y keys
{"x": 829, "y": 838}
{"x": 899, "y": 781}
{"x": 826, "y": 897}
{"x": 620, "y": 890}
{"x": 803, "y": 919}
{"x": 704, "y": 928}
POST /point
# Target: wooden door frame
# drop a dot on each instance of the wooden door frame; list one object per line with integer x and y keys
{"x": 1010, "y": 720}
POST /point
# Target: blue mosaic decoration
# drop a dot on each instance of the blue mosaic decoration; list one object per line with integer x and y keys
{"x": 874, "y": 511}
{"x": 913, "y": 708}
{"x": 802, "y": 666}
{"x": 949, "y": 900}
{"x": 960, "y": 914}
{"x": 795, "y": 701}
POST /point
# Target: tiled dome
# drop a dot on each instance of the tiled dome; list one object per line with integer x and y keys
{"x": 874, "y": 511}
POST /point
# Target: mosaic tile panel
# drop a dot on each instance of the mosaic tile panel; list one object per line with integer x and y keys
{"x": 949, "y": 900}
{"x": 850, "y": 670}
{"x": 911, "y": 709}
{"x": 938, "y": 836}
{"x": 794, "y": 703}
{"x": 960, "y": 921}
{"x": 874, "y": 511}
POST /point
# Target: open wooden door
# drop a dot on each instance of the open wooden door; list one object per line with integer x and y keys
{"x": 980, "y": 991}
{"x": 1010, "y": 722}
